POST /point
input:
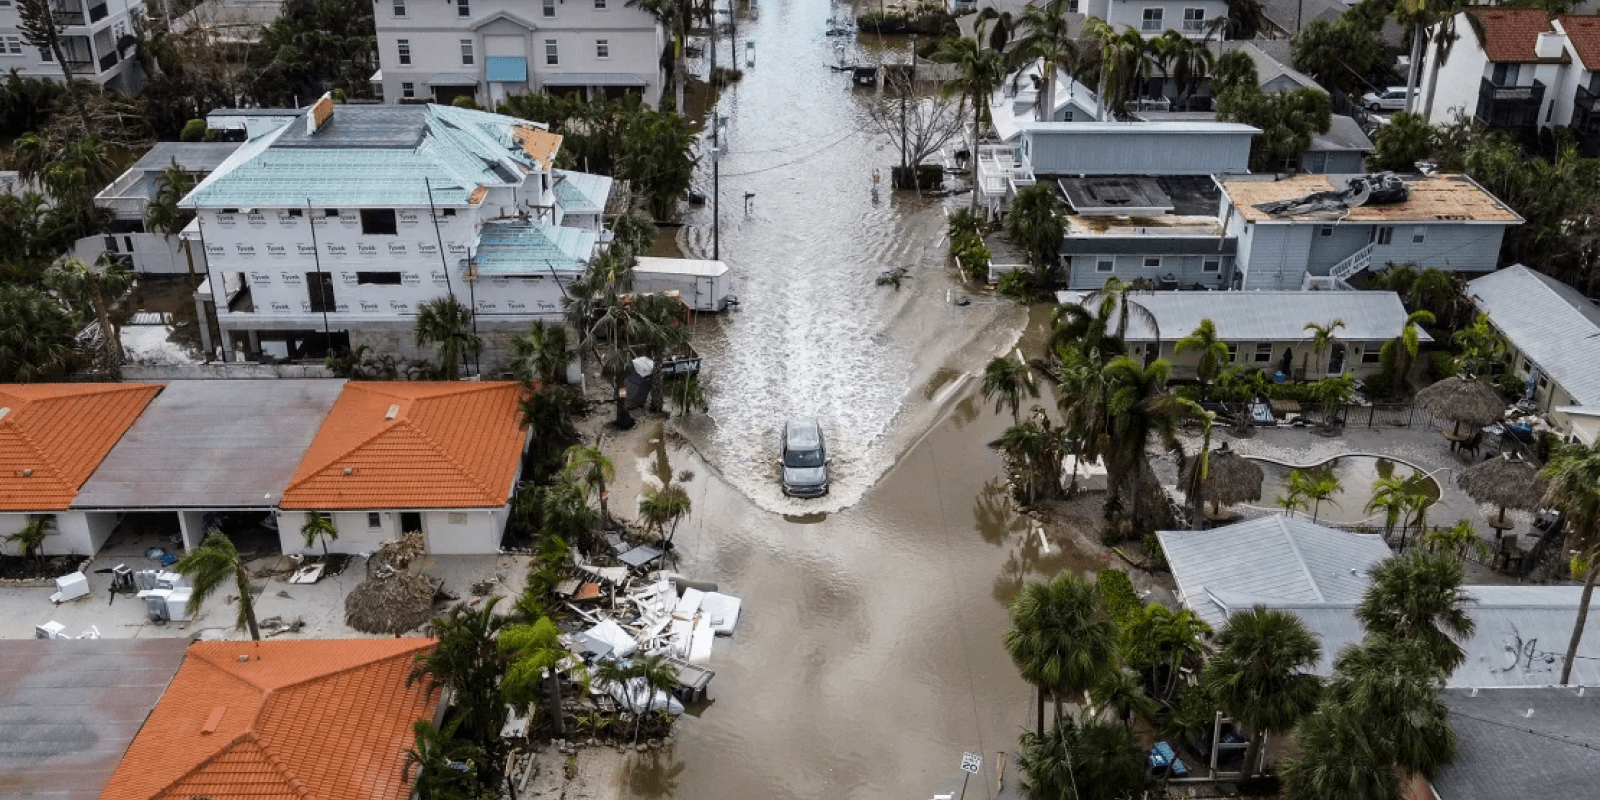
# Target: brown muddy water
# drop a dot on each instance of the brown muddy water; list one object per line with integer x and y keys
{"x": 868, "y": 657}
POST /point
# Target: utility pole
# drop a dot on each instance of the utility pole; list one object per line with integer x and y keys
{"x": 716, "y": 150}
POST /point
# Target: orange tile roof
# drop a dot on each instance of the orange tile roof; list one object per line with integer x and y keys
{"x": 1584, "y": 33}
{"x": 329, "y": 719}
{"x": 1509, "y": 34}
{"x": 54, "y": 435}
{"x": 449, "y": 445}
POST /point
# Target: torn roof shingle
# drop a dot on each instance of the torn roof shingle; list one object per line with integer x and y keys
{"x": 386, "y": 156}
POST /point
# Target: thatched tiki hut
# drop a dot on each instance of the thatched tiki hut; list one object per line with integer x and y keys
{"x": 394, "y": 604}
{"x": 1463, "y": 401}
{"x": 1506, "y": 482}
{"x": 1230, "y": 479}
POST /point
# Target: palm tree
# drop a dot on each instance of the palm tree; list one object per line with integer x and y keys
{"x": 1392, "y": 496}
{"x": 434, "y": 755}
{"x": 319, "y": 526}
{"x": 542, "y": 353}
{"x": 162, "y": 215}
{"x": 1418, "y": 595}
{"x": 1086, "y": 760}
{"x": 1006, "y": 381}
{"x": 536, "y": 656}
{"x": 1047, "y": 38}
{"x": 212, "y": 563}
{"x": 1406, "y": 346}
{"x": 1338, "y": 758}
{"x": 1194, "y": 484}
{"x": 1395, "y": 684}
{"x": 979, "y": 72}
{"x": 1420, "y": 15}
{"x": 1574, "y": 476}
{"x": 468, "y": 660}
{"x": 1158, "y": 639}
{"x": 1138, "y": 404}
{"x": 1038, "y": 445}
{"x": 1034, "y": 224}
{"x": 655, "y": 675}
{"x": 35, "y": 334}
{"x": 663, "y": 509}
{"x": 90, "y": 290}
{"x": 30, "y": 538}
{"x": 689, "y": 395}
{"x": 1058, "y": 639}
{"x": 1319, "y": 489}
{"x": 1213, "y": 351}
{"x": 587, "y": 466}
{"x": 1122, "y": 691}
{"x": 1259, "y": 673}
{"x": 1481, "y": 346}
{"x": 1456, "y": 540}
{"x": 1322, "y": 338}
{"x": 446, "y": 322}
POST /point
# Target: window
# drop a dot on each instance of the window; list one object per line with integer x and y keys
{"x": 599, "y": 5}
{"x": 463, "y": 8}
{"x": 1152, "y": 262}
{"x": 374, "y": 520}
{"x": 448, "y": 212}
{"x": 1194, "y": 20}
{"x": 549, "y": 8}
{"x": 1386, "y": 234}
{"x": 319, "y": 288}
{"x": 1263, "y": 352}
{"x": 1104, "y": 264}
{"x": 1152, "y": 19}
{"x": 1419, "y": 235}
{"x": 1372, "y": 355}
{"x": 551, "y": 56}
{"x": 466, "y": 52}
{"x": 404, "y": 46}
{"x": 399, "y": 8}
{"x": 378, "y": 221}
{"x": 1211, "y": 264}
{"x": 331, "y": 213}
{"x": 602, "y": 48}
{"x": 1324, "y": 230}
{"x": 1506, "y": 74}
{"x": 1233, "y": 352}
{"x": 408, "y": 90}
{"x": 296, "y": 212}
{"x": 377, "y": 278}
{"x": 46, "y": 55}
{"x": 11, "y": 45}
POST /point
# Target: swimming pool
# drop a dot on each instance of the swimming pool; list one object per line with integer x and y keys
{"x": 1355, "y": 473}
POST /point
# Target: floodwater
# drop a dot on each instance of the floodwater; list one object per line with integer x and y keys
{"x": 1356, "y": 475}
{"x": 868, "y": 657}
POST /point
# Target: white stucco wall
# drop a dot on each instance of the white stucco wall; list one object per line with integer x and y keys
{"x": 77, "y": 532}
{"x": 467, "y": 531}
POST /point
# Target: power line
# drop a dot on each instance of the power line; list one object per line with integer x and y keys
{"x": 797, "y": 160}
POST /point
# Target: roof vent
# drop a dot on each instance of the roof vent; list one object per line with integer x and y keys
{"x": 349, "y": 470}
{"x": 4, "y": 410}
{"x": 216, "y": 713}
{"x": 27, "y": 473}
{"x": 394, "y": 411}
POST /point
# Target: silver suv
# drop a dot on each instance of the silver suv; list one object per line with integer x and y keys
{"x": 803, "y": 457}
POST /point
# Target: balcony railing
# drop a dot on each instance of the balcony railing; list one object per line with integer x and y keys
{"x": 68, "y": 17}
{"x": 86, "y": 67}
{"x": 1507, "y": 94}
{"x": 97, "y": 13}
{"x": 1512, "y": 107}
{"x": 1151, "y": 26}
{"x": 1194, "y": 26}
{"x": 1586, "y": 101}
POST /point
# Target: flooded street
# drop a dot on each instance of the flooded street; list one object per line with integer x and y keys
{"x": 868, "y": 656}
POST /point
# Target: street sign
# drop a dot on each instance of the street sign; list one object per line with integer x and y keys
{"x": 971, "y": 762}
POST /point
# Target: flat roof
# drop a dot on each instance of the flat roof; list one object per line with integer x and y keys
{"x": 213, "y": 444}
{"x": 70, "y": 707}
{"x": 1516, "y": 743}
{"x": 1434, "y": 198}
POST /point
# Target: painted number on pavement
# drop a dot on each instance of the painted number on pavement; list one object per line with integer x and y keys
{"x": 971, "y": 762}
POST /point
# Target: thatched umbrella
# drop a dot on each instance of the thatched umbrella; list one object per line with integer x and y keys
{"x": 1230, "y": 478}
{"x": 1507, "y": 482}
{"x": 1463, "y": 401}
{"x": 394, "y": 604}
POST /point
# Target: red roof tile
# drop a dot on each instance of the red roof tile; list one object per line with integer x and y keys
{"x": 1584, "y": 33}
{"x": 1509, "y": 34}
{"x": 323, "y": 718}
{"x": 449, "y": 445}
{"x": 54, "y": 435}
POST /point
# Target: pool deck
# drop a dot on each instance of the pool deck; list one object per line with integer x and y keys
{"x": 1420, "y": 447}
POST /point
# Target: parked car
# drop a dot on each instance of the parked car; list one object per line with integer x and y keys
{"x": 1390, "y": 99}
{"x": 803, "y": 457}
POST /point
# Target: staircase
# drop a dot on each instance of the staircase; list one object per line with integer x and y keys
{"x": 1359, "y": 260}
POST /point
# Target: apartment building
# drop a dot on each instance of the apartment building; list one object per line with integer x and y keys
{"x": 96, "y": 40}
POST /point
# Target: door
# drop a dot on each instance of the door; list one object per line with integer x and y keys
{"x": 410, "y": 521}
{"x": 1336, "y": 360}
{"x": 705, "y": 290}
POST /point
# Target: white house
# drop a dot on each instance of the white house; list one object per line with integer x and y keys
{"x": 1314, "y": 231}
{"x": 441, "y": 459}
{"x": 335, "y": 228}
{"x": 129, "y": 196}
{"x": 1192, "y": 18}
{"x": 492, "y": 49}
{"x": 1507, "y": 69}
{"x": 53, "y": 436}
{"x": 96, "y": 39}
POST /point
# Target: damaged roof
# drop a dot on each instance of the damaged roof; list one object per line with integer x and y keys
{"x": 1433, "y": 198}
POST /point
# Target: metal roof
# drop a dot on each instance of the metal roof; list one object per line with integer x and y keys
{"x": 596, "y": 79}
{"x": 70, "y": 707}
{"x": 1513, "y": 744}
{"x": 1270, "y": 560}
{"x": 581, "y": 192}
{"x": 1550, "y": 322}
{"x": 1520, "y": 638}
{"x": 1344, "y": 134}
{"x": 1268, "y": 316}
{"x": 192, "y": 156}
{"x": 524, "y": 247}
{"x": 383, "y": 156}
{"x": 212, "y": 444}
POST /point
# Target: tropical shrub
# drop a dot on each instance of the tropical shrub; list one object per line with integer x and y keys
{"x": 1116, "y": 591}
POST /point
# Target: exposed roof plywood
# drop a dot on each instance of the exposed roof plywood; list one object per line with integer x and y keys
{"x": 1434, "y": 198}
